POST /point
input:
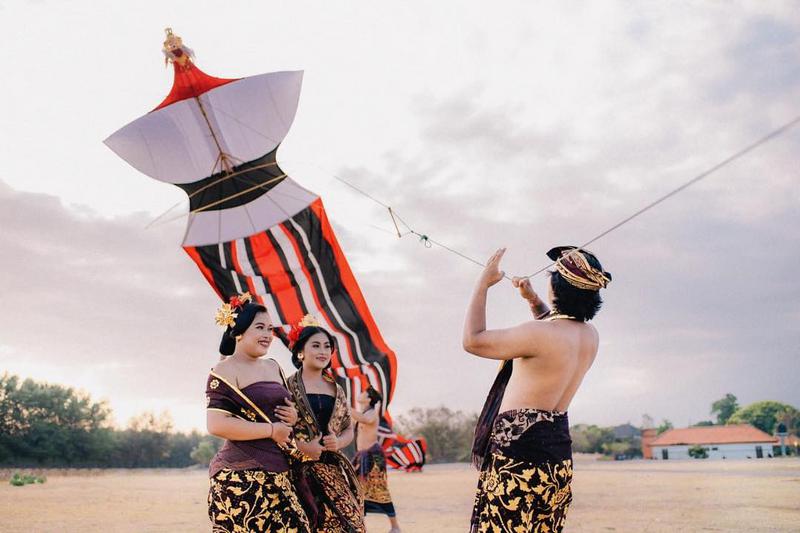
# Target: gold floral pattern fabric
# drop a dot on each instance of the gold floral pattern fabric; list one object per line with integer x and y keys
{"x": 340, "y": 510}
{"x": 255, "y": 500}
{"x": 307, "y": 427}
{"x": 513, "y": 424}
{"x": 337, "y": 492}
{"x": 516, "y": 496}
{"x": 370, "y": 466}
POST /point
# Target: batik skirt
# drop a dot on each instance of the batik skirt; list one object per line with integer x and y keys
{"x": 255, "y": 500}
{"x": 524, "y": 484}
{"x": 338, "y": 507}
{"x": 370, "y": 465}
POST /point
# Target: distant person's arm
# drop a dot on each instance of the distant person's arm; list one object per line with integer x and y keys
{"x": 367, "y": 417}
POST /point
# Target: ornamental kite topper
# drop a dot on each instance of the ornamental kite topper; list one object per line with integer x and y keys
{"x": 251, "y": 228}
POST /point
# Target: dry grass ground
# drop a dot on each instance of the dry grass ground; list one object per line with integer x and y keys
{"x": 641, "y": 496}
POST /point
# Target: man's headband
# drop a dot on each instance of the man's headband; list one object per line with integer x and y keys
{"x": 574, "y": 266}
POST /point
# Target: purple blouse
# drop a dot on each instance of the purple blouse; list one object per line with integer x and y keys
{"x": 260, "y": 454}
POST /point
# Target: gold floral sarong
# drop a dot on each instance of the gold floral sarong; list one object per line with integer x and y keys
{"x": 524, "y": 484}
{"x": 254, "y": 500}
{"x": 370, "y": 465}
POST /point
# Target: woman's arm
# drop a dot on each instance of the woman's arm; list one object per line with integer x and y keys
{"x": 224, "y": 425}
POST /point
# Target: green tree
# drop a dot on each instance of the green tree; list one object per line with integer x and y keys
{"x": 703, "y": 423}
{"x": 145, "y": 443}
{"x": 698, "y": 452}
{"x": 665, "y": 426}
{"x": 203, "y": 452}
{"x": 42, "y": 423}
{"x": 591, "y": 438}
{"x": 724, "y": 408}
{"x": 765, "y": 415}
{"x": 448, "y": 433}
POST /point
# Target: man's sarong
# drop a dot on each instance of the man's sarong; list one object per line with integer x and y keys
{"x": 254, "y": 500}
{"x": 524, "y": 484}
{"x": 370, "y": 465}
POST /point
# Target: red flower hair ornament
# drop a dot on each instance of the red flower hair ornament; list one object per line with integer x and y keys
{"x": 294, "y": 333}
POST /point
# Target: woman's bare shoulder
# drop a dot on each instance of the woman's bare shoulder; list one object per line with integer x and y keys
{"x": 225, "y": 369}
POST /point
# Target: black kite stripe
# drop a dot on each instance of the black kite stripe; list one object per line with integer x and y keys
{"x": 285, "y": 264}
{"x": 217, "y": 192}
{"x": 230, "y": 262}
{"x": 317, "y": 287}
{"x": 251, "y": 258}
{"x": 209, "y": 254}
{"x": 329, "y": 271}
{"x": 340, "y": 298}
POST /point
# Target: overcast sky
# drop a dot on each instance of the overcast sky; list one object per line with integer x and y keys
{"x": 523, "y": 126}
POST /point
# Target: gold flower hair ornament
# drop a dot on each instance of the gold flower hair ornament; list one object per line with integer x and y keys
{"x": 294, "y": 334}
{"x": 226, "y": 315}
{"x": 309, "y": 320}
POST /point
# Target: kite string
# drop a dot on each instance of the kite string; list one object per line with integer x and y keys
{"x": 737, "y": 155}
{"x": 425, "y": 239}
{"x": 766, "y": 138}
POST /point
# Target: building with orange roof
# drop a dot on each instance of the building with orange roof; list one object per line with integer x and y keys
{"x": 735, "y": 441}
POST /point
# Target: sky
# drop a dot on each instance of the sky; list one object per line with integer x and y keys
{"x": 526, "y": 126}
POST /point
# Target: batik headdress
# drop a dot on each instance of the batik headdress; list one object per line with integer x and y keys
{"x": 575, "y": 266}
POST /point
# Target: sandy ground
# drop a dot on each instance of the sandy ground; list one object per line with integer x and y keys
{"x": 642, "y": 496}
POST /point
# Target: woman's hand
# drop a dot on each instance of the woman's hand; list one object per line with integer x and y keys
{"x": 312, "y": 449}
{"x": 491, "y": 273}
{"x": 330, "y": 442}
{"x": 280, "y": 432}
{"x": 287, "y": 413}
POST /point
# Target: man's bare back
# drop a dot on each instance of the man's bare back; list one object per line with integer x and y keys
{"x": 368, "y": 420}
{"x": 550, "y": 377}
{"x": 367, "y": 434}
{"x": 523, "y": 429}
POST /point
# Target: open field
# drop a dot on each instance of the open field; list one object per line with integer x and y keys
{"x": 642, "y": 496}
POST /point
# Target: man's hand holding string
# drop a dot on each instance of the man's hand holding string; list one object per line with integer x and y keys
{"x": 538, "y": 307}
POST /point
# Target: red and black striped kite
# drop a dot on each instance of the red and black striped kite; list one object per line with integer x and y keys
{"x": 250, "y": 226}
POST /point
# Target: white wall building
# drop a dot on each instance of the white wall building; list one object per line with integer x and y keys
{"x": 737, "y": 441}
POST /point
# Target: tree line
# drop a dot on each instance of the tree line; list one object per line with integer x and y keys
{"x": 51, "y": 425}
{"x": 766, "y": 415}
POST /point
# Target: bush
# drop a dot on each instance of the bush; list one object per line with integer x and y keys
{"x": 448, "y": 433}
{"x": 698, "y": 452}
{"x": 18, "y": 480}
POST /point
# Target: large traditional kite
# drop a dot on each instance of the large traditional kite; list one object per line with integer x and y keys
{"x": 250, "y": 226}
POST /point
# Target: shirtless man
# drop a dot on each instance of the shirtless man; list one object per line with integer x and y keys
{"x": 522, "y": 444}
{"x": 370, "y": 461}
